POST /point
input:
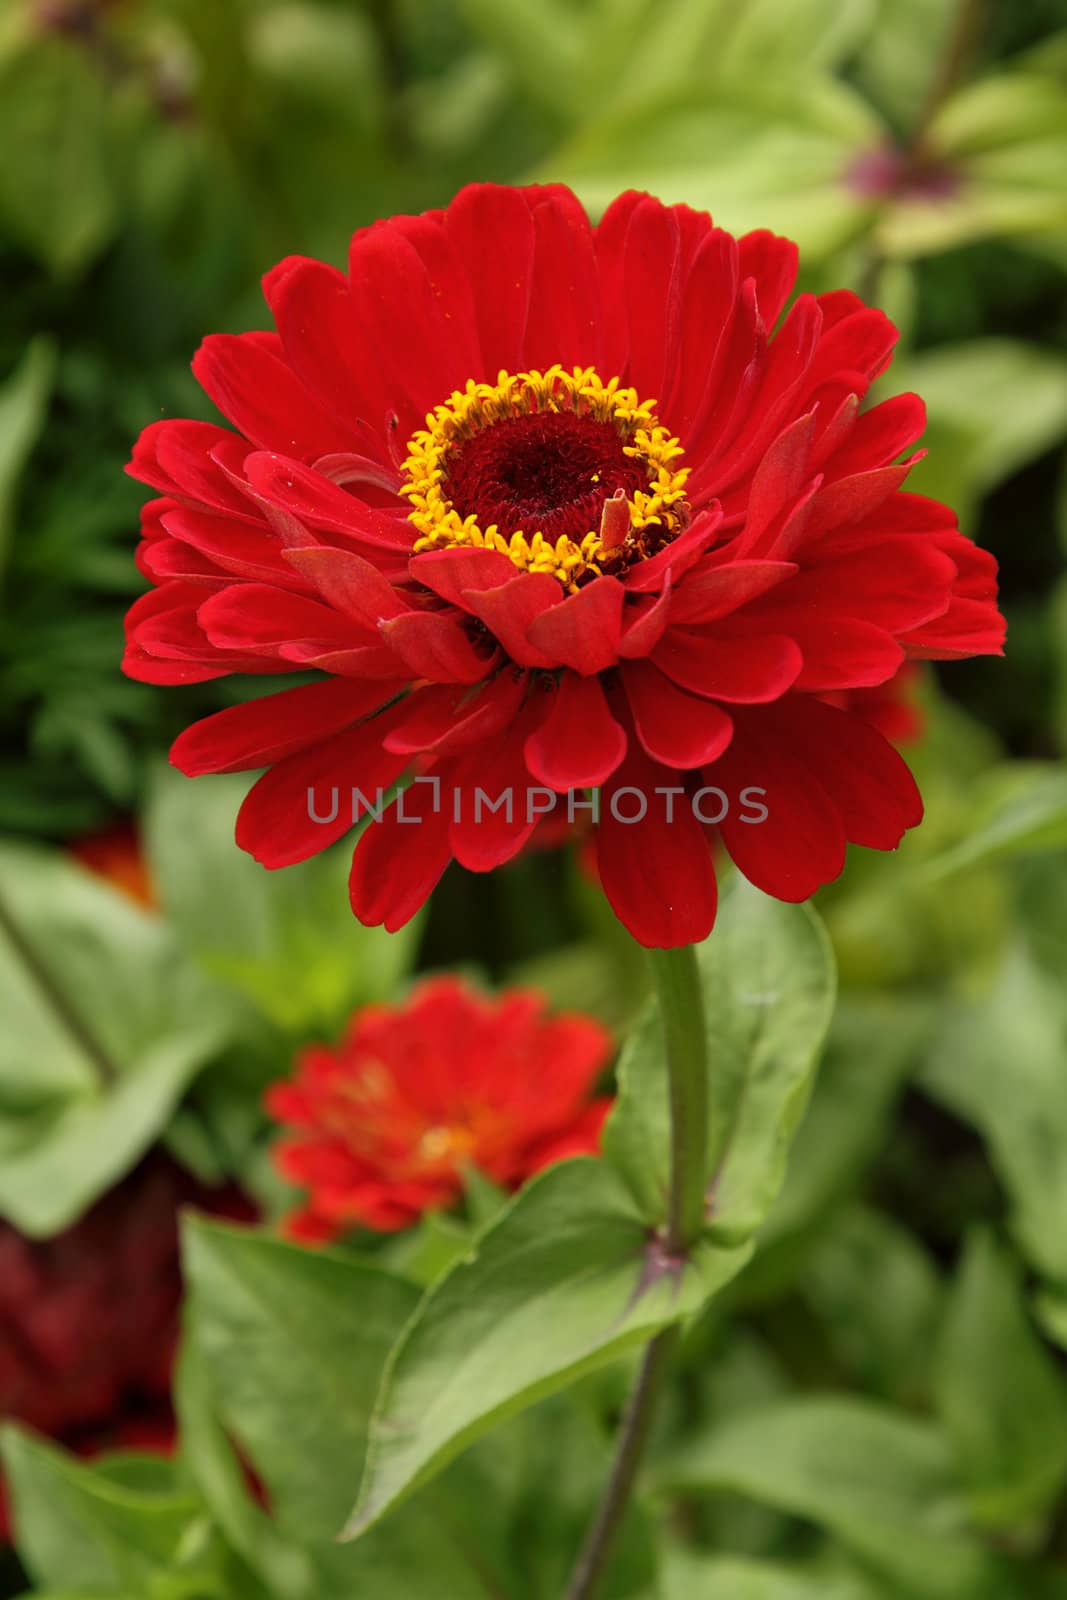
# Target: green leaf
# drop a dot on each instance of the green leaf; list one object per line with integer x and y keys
{"x": 213, "y": 1467}
{"x": 900, "y": 55}
{"x": 57, "y": 198}
{"x": 287, "y": 940}
{"x": 115, "y": 1038}
{"x": 294, "y": 1341}
{"x": 1051, "y": 1309}
{"x": 992, "y": 406}
{"x": 424, "y": 1253}
{"x": 1000, "y": 1394}
{"x": 291, "y": 1344}
{"x": 872, "y": 1044}
{"x": 770, "y": 156}
{"x": 877, "y": 1480}
{"x": 878, "y": 1295}
{"x": 79, "y": 1529}
{"x": 690, "y": 1577}
{"x": 579, "y": 62}
{"x": 23, "y": 408}
{"x": 767, "y": 974}
{"x": 1024, "y": 809}
{"x": 565, "y": 1280}
{"x": 998, "y": 1064}
{"x": 1005, "y": 138}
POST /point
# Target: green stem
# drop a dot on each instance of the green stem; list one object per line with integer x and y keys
{"x": 681, "y": 1004}
{"x": 633, "y": 1435}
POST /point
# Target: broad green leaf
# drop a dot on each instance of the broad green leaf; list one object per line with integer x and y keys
{"x": 767, "y": 974}
{"x": 1000, "y": 1394}
{"x": 288, "y": 940}
{"x": 57, "y": 196}
{"x": 1051, "y": 1309}
{"x": 998, "y": 1063}
{"x": 992, "y": 406}
{"x": 880, "y": 1481}
{"x": 525, "y": 1495}
{"x": 208, "y": 1458}
{"x": 872, "y": 1043}
{"x": 1005, "y": 137}
{"x": 294, "y": 1341}
{"x": 542, "y": 41}
{"x": 291, "y": 1344}
{"x": 578, "y": 62}
{"x": 878, "y": 1295}
{"x": 1025, "y": 810}
{"x": 689, "y": 1577}
{"x": 78, "y": 1529}
{"x": 23, "y": 406}
{"x": 565, "y": 1280}
{"x": 424, "y": 1253}
{"x": 94, "y": 1059}
{"x": 772, "y": 156}
{"x": 900, "y": 56}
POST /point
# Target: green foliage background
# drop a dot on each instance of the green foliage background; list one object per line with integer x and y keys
{"x": 873, "y": 1405}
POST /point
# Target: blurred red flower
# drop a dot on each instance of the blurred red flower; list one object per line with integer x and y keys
{"x": 384, "y": 1127}
{"x": 89, "y": 1320}
{"x": 552, "y": 507}
{"x": 115, "y": 853}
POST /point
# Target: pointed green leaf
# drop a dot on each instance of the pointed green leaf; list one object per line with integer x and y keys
{"x": 58, "y": 197}
{"x": 79, "y": 1529}
{"x": 23, "y": 406}
{"x": 1001, "y": 1395}
{"x": 1025, "y": 810}
{"x": 767, "y": 973}
{"x": 566, "y": 1279}
{"x": 880, "y": 1481}
{"x": 114, "y": 1035}
{"x": 291, "y": 1344}
{"x": 287, "y": 940}
{"x": 998, "y": 1064}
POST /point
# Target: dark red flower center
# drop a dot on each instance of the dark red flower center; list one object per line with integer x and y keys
{"x": 547, "y": 472}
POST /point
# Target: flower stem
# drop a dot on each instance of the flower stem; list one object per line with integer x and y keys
{"x": 681, "y": 1004}
{"x": 632, "y": 1436}
{"x": 682, "y": 1013}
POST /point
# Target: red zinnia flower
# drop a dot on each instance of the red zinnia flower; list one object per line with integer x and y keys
{"x": 549, "y": 508}
{"x": 89, "y": 1320}
{"x": 386, "y": 1125}
{"x": 115, "y": 853}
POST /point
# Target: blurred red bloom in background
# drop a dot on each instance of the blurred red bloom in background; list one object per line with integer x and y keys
{"x": 89, "y": 1320}
{"x": 384, "y": 1127}
{"x": 115, "y": 853}
{"x": 554, "y": 507}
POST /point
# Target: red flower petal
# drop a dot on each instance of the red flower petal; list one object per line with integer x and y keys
{"x": 267, "y": 729}
{"x": 677, "y": 728}
{"x": 433, "y": 645}
{"x": 399, "y": 861}
{"x": 306, "y": 801}
{"x": 744, "y": 670}
{"x": 582, "y": 631}
{"x": 482, "y": 212}
{"x": 348, "y": 582}
{"x": 800, "y": 844}
{"x": 264, "y": 398}
{"x": 657, "y": 874}
{"x": 579, "y": 744}
{"x": 449, "y": 718}
{"x": 509, "y": 611}
{"x": 257, "y": 617}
